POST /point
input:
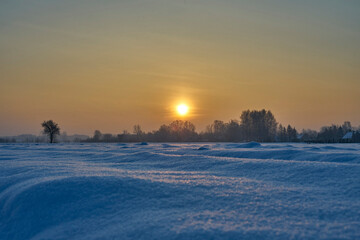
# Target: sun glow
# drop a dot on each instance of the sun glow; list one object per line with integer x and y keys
{"x": 182, "y": 109}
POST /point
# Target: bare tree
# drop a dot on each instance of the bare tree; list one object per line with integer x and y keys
{"x": 51, "y": 129}
{"x": 137, "y": 130}
{"x": 97, "y": 136}
{"x": 258, "y": 125}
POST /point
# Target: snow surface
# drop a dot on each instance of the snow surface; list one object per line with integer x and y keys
{"x": 179, "y": 191}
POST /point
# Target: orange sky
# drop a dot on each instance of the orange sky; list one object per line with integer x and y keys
{"x": 109, "y": 65}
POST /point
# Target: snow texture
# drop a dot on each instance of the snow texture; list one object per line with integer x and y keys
{"x": 175, "y": 191}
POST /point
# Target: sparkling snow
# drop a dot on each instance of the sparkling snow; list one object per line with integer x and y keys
{"x": 180, "y": 191}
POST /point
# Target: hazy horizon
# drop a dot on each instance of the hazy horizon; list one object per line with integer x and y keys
{"x": 130, "y": 129}
{"x": 108, "y": 65}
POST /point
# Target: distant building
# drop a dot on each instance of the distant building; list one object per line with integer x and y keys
{"x": 348, "y": 137}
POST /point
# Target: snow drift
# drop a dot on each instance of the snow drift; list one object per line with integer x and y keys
{"x": 175, "y": 191}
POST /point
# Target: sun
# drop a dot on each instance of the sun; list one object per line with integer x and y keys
{"x": 182, "y": 109}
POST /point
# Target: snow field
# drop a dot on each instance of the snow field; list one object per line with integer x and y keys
{"x": 180, "y": 191}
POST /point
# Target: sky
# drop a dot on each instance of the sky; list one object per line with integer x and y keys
{"x": 108, "y": 65}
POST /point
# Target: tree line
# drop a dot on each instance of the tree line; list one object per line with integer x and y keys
{"x": 260, "y": 126}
